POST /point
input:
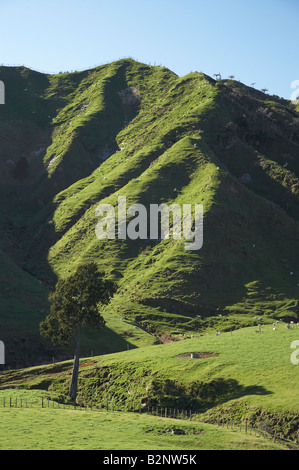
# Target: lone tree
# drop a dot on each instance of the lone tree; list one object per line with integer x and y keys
{"x": 76, "y": 304}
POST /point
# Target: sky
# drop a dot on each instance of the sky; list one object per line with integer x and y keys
{"x": 253, "y": 40}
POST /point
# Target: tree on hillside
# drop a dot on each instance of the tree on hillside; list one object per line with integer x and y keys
{"x": 76, "y": 304}
{"x": 217, "y": 76}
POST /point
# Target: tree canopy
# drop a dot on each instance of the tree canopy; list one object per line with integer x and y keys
{"x": 76, "y": 303}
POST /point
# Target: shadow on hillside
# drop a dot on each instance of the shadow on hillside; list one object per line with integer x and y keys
{"x": 228, "y": 389}
{"x": 106, "y": 342}
{"x": 32, "y": 206}
{"x": 32, "y": 350}
{"x": 199, "y": 395}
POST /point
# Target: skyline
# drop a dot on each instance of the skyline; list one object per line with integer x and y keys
{"x": 254, "y": 42}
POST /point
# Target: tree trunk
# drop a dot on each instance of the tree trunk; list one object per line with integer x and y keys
{"x": 74, "y": 380}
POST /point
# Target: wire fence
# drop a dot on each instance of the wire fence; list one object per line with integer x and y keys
{"x": 111, "y": 405}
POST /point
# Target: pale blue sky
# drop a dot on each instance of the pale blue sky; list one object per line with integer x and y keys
{"x": 253, "y": 40}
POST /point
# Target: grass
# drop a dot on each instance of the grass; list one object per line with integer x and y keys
{"x": 47, "y": 429}
{"x": 185, "y": 139}
{"x": 248, "y": 376}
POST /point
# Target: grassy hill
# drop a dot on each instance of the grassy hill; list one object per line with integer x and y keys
{"x": 240, "y": 376}
{"x": 72, "y": 141}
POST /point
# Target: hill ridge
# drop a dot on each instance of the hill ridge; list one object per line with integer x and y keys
{"x": 72, "y": 141}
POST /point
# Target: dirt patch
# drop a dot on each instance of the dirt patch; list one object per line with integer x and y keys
{"x": 197, "y": 355}
{"x": 86, "y": 364}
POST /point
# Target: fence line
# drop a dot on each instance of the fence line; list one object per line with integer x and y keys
{"x": 160, "y": 411}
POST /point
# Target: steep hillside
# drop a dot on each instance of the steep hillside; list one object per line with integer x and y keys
{"x": 73, "y": 141}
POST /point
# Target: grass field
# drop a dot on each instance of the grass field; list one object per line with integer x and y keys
{"x": 246, "y": 376}
{"x": 59, "y": 429}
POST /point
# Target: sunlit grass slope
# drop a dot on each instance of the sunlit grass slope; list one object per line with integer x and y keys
{"x": 35, "y": 429}
{"x": 245, "y": 374}
{"x": 130, "y": 129}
